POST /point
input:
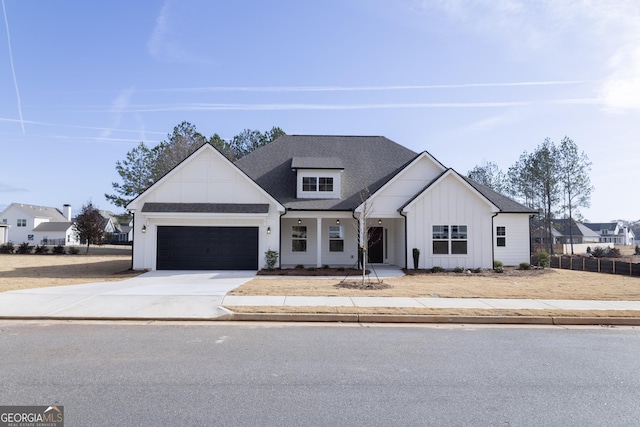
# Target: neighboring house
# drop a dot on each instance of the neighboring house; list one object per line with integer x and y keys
{"x": 114, "y": 232}
{"x": 578, "y": 233}
{"x": 302, "y": 197}
{"x": 39, "y": 225}
{"x": 613, "y": 232}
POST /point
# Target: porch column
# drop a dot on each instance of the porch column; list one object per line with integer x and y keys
{"x": 319, "y": 243}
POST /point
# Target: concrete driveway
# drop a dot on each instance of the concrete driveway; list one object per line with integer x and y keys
{"x": 153, "y": 295}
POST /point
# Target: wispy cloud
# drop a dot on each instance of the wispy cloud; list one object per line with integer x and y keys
{"x": 13, "y": 68}
{"x": 6, "y": 188}
{"x": 103, "y": 129}
{"x": 369, "y": 88}
{"x": 118, "y": 105}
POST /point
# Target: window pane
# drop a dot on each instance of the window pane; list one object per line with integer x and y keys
{"x": 501, "y": 231}
{"x": 299, "y": 232}
{"x": 458, "y": 231}
{"x": 299, "y": 245}
{"x": 459, "y": 247}
{"x": 440, "y": 247}
{"x": 502, "y": 241}
{"x": 309, "y": 183}
{"x": 440, "y": 231}
{"x": 336, "y": 245}
{"x": 335, "y": 232}
{"x": 326, "y": 184}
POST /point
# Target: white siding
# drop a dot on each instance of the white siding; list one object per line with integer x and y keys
{"x": 450, "y": 202}
{"x": 517, "y": 239}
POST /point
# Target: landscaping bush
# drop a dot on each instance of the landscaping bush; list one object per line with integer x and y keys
{"x": 73, "y": 251}
{"x": 24, "y": 248}
{"x": 524, "y": 266}
{"x": 637, "y": 252}
{"x": 613, "y": 253}
{"x": 498, "y": 266}
{"x": 59, "y": 250}
{"x": 599, "y": 252}
{"x": 326, "y": 266}
{"x": 437, "y": 269}
{"x": 41, "y": 249}
{"x": 299, "y": 266}
{"x": 270, "y": 258}
{"x": 7, "y": 248}
{"x": 544, "y": 260}
{"x": 477, "y": 270}
{"x": 458, "y": 270}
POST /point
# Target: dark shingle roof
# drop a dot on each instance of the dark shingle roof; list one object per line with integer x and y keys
{"x": 597, "y": 226}
{"x": 316, "y": 163}
{"x": 255, "y": 208}
{"x": 53, "y": 226}
{"x": 368, "y": 161}
{"x": 502, "y": 202}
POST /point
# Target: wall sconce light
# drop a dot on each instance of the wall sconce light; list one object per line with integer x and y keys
{"x": 299, "y": 221}
{"x": 268, "y": 230}
{"x": 379, "y": 221}
{"x": 338, "y": 221}
{"x": 144, "y": 228}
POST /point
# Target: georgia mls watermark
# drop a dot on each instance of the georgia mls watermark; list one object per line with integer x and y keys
{"x": 31, "y": 416}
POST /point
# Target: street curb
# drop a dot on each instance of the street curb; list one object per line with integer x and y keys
{"x": 392, "y": 318}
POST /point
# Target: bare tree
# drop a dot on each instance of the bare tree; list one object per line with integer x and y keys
{"x": 490, "y": 176}
{"x": 89, "y": 225}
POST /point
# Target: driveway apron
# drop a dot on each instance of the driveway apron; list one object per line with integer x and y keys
{"x": 152, "y": 295}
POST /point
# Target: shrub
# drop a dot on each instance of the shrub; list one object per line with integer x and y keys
{"x": 524, "y": 266}
{"x": 458, "y": 270}
{"x": 7, "y": 248}
{"x": 58, "y": 250}
{"x": 270, "y": 258}
{"x": 299, "y": 266}
{"x": 477, "y": 270}
{"x": 599, "y": 252}
{"x": 588, "y": 249}
{"x": 544, "y": 260}
{"x": 326, "y": 266}
{"x": 41, "y": 249}
{"x": 436, "y": 269}
{"x": 24, "y": 248}
{"x": 637, "y": 252}
{"x": 73, "y": 250}
{"x": 614, "y": 253}
{"x": 311, "y": 269}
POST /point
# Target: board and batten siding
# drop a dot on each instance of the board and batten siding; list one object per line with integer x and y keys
{"x": 450, "y": 202}
{"x": 516, "y": 237}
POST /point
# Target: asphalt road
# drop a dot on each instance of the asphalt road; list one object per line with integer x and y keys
{"x": 107, "y": 374}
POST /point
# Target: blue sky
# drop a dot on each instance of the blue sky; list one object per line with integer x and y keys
{"x": 82, "y": 83}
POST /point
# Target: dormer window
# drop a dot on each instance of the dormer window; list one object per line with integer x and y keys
{"x": 318, "y": 178}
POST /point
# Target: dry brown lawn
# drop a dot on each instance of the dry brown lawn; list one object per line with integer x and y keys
{"x": 535, "y": 284}
{"x": 37, "y": 271}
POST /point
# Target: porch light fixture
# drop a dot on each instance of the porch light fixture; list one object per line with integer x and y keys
{"x": 299, "y": 221}
{"x": 379, "y": 221}
{"x": 144, "y": 228}
{"x": 338, "y": 221}
{"x": 268, "y": 230}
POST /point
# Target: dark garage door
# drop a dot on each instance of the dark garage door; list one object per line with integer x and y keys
{"x": 207, "y": 248}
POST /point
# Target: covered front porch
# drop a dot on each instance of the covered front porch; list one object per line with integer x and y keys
{"x": 316, "y": 239}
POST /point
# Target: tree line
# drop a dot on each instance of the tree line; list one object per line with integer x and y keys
{"x": 144, "y": 165}
{"x": 553, "y": 179}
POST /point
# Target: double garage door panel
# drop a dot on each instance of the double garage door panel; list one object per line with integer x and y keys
{"x": 207, "y": 248}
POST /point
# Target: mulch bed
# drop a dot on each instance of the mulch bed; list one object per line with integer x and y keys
{"x": 366, "y": 285}
{"x": 484, "y": 273}
{"x": 311, "y": 271}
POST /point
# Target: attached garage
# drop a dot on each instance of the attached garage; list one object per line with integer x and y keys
{"x": 207, "y": 248}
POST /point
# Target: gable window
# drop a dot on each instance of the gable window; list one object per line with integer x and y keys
{"x": 309, "y": 183}
{"x": 326, "y": 184}
{"x": 501, "y": 236}
{"x": 449, "y": 239}
{"x": 22, "y": 222}
{"x": 336, "y": 238}
{"x": 299, "y": 238}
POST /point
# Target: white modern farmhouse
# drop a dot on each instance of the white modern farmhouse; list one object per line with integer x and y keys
{"x": 302, "y": 197}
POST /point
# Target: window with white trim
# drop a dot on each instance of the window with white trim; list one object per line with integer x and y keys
{"x": 336, "y": 238}
{"x": 449, "y": 239}
{"x": 501, "y": 236}
{"x": 22, "y": 222}
{"x": 310, "y": 183}
{"x": 299, "y": 238}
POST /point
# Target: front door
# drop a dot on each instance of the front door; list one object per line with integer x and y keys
{"x": 376, "y": 245}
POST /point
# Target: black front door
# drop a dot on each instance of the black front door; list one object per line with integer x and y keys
{"x": 376, "y": 245}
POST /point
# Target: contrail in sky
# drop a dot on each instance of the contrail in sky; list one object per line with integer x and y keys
{"x": 13, "y": 70}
